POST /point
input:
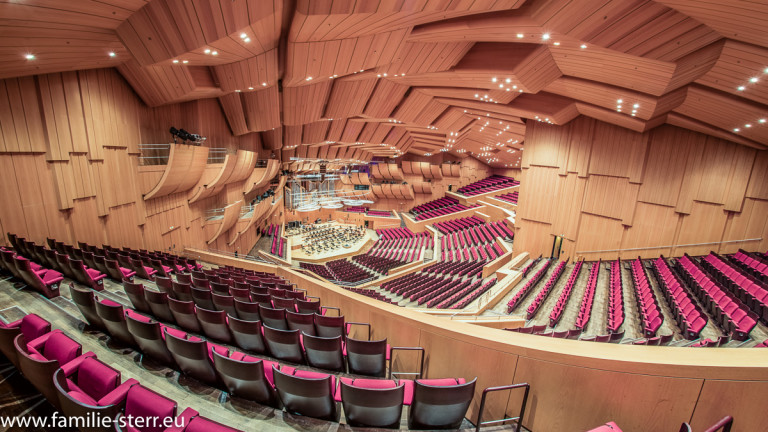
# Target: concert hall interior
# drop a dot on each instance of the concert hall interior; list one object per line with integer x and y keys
{"x": 529, "y": 215}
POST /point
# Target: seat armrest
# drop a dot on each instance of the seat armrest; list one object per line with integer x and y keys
{"x": 186, "y": 417}
{"x": 117, "y": 396}
{"x": 14, "y": 324}
{"x": 351, "y": 323}
{"x": 73, "y": 365}
{"x": 420, "y": 373}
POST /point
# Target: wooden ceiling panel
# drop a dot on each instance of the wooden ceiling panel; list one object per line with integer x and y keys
{"x": 305, "y": 104}
{"x": 349, "y": 97}
{"x": 254, "y": 73}
{"x": 736, "y": 65}
{"x": 262, "y": 109}
{"x": 742, "y": 20}
{"x": 385, "y": 98}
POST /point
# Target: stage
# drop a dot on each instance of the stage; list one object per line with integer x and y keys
{"x": 358, "y": 247}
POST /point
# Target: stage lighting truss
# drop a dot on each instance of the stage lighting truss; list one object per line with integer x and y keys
{"x": 186, "y": 136}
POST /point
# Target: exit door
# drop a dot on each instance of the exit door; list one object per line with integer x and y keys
{"x": 557, "y": 247}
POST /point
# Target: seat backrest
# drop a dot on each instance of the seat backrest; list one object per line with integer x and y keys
{"x": 143, "y": 402}
{"x": 61, "y": 348}
{"x": 324, "y": 353}
{"x": 301, "y": 321}
{"x": 284, "y": 344}
{"x": 311, "y": 397}
{"x": 246, "y": 379}
{"x": 274, "y": 318}
{"x": 148, "y": 336}
{"x": 135, "y": 292}
{"x": 224, "y": 302}
{"x": 158, "y": 304}
{"x": 192, "y": 358}
{"x": 202, "y": 298}
{"x": 306, "y": 306}
{"x": 164, "y": 284}
{"x": 85, "y": 301}
{"x": 329, "y": 326}
{"x": 440, "y": 406}
{"x": 247, "y": 310}
{"x": 184, "y": 314}
{"x": 97, "y": 379}
{"x": 372, "y": 407}
{"x": 367, "y": 357}
{"x": 214, "y": 324}
{"x": 247, "y": 334}
{"x": 114, "y": 320}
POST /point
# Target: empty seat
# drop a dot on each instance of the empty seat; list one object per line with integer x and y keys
{"x": 274, "y": 318}
{"x": 44, "y": 281}
{"x": 150, "y": 338}
{"x": 247, "y": 334}
{"x": 91, "y": 389}
{"x": 39, "y": 359}
{"x": 115, "y": 271}
{"x": 143, "y": 271}
{"x": 135, "y": 293}
{"x": 304, "y": 322}
{"x": 202, "y": 298}
{"x": 372, "y": 403}
{"x": 367, "y": 357}
{"x": 324, "y": 353}
{"x": 284, "y": 344}
{"x": 164, "y": 284}
{"x": 307, "y": 306}
{"x": 194, "y": 357}
{"x": 224, "y": 302}
{"x": 113, "y": 317}
{"x": 307, "y": 393}
{"x": 91, "y": 278}
{"x": 31, "y": 326}
{"x": 154, "y": 409}
{"x": 247, "y": 377}
{"x": 214, "y": 324}
{"x": 85, "y": 300}
{"x": 184, "y": 314}
{"x": 247, "y": 310}
{"x": 158, "y": 304}
{"x": 440, "y": 404}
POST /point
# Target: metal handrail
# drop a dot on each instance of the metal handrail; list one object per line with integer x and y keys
{"x": 500, "y": 388}
{"x": 420, "y": 373}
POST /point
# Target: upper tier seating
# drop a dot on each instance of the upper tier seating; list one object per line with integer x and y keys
{"x": 488, "y": 184}
{"x": 647, "y": 306}
{"x": 439, "y": 207}
{"x": 509, "y": 197}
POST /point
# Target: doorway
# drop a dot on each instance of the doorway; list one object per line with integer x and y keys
{"x": 557, "y": 247}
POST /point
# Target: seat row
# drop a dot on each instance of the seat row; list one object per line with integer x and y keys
{"x": 541, "y": 297}
{"x": 453, "y": 225}
{"x": 528, "y": 287}
{"x": 509, "y": 197}
{"x": 756, "y": 264}
{"x": 80, "y": 385}
{"x": 585, "y": 308}
{"x": 615, "y": 298}
{"x": 748, "y": 289}
{"x": 345, "y": 271}
{"x": 647, "y": 306}
{"x": 565, "y": 296}
{"x": 688, "y": 315}
{"x": 466, "y": 296}
{"x": 488, "y": 184}
{"x": 732, "y": 315}
{"x": 45, "y": 281}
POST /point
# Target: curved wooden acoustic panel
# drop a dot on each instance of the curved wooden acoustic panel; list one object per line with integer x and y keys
{"x": 451, "y": 170}
{"x": 231, "y": 215}
{"x": 345, "y": 179}
{"x": 422, "y": 187}
{"x": 185, "y": 167}
{"x": 235, "y": 168}
{"x": 260, "y": 177}
{"x": 263, "y": 210}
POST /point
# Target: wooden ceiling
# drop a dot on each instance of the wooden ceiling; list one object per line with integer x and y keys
{"x": 393, "y": 76}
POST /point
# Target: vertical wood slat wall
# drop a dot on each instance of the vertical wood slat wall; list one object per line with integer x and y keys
{"x": 604, "y": 188}
{"x": 69, "y": 166}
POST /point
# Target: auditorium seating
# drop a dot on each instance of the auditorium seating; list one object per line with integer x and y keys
{"x": 278, "y": 242}
{"x": 731, "y": 314}
{"x": 439, "y": 207}
{"x": 588, "y": 299}
{"x": 750, "y": 290}
{"x": 528, "y": 287}
{"x": 395, "y": 247}
{"x": 509, "y": 197}
{"x": 544, "y": 292}
{"x": 565, "y": 296}
{"x": 754, "y": 264}
{"x": 488, "y": 184}
{"x": 689, "y": 316}
{"x": 647, "y": 306}
{"x": 472, "y": 239}
{"x": 615, "y": 298}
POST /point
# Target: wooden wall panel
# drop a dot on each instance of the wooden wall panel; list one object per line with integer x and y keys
{"x": 644, "y": 194}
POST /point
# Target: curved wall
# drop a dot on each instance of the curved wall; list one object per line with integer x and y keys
{"x": 575, "y": 385}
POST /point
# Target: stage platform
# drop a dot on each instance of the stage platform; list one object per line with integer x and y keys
{"x": 358, "y": 247}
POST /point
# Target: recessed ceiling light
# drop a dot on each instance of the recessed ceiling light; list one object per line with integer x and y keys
{"x": 740, "y": 88}
{"x": 748, "y": 125}
{"x": 246, "y": 40}
{"x": 636, "y": 106}
{"x": 501, "y": 85}
{"x": 618, "y": 106}
{"x": 214, "y": 53}
{"x": 545, "y": 36}
{"x": 583, "y": 46}
{"x": 264, "y": 84}
{"x": 508, "y": 80}
{"x": 237, "y": 91}
{"x": 175, "y": 61}
{"x": 618, "y": 109}
{"x": 557, "y": 43}
{"x": 185, "y": 61}
{"x": 493, "y": 79}
{"x": 736, "y": 129}
{"x": 520, "y": 36}
{"x": 243, "y": 35}
{"x": 753, "y": 80}
{"x": 250, "y": 88}
{"x": 29, "y": 56}
{"x": 619, "y": 100}
{"x": 761, "y": 120}
{"x": 207, "y": 51}
{"x": 309, "y": 78}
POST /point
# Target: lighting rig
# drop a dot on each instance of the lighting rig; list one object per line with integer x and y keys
{"x": 186, "y": 136}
